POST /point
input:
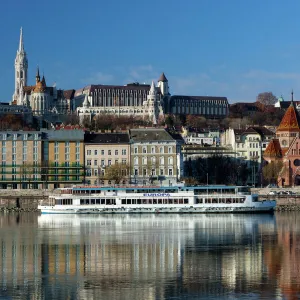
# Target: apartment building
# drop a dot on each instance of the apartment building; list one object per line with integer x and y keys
{"x": 21, "y": 157}
{"x": 63, "y": 157}
{"x": 107, "y": 158}
{"x": 155, "y": 156}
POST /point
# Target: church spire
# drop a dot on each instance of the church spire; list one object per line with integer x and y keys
{"x": 21, "y": 44}
{"x": 37, "y": 77}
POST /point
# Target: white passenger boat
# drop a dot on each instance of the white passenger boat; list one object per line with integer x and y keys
{"x": 155, "y": 199}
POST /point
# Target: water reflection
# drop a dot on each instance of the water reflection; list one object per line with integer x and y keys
{"x": 150, "y": 257}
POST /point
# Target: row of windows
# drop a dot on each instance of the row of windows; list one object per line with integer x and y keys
{"x": 14, "y": 157}
{"x": 152, "y": 172}
{"x": 109, "y": 152}
{"x": 67, "y": 157}
{"x": 97, "y": 201}
{"x": 103, "y": 162}
{"x": 67, "y": 144}
{"x": 67, "y": 150}
{"x": 24, "y": 144}
{"x": 155, "y": 201}
{"x": 153, "y": 160}
{"x": 15, "y": 136}
{"x": 97, "y": 172}
{"x": 153, "y": 150}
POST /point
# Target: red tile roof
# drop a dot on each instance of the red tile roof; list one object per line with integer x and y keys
{"x": 273, "y": 149}
{"x": 290, "y": 120}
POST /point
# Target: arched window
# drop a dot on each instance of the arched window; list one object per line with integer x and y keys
{"x": 136, "y": 160}
{"x": 170, "y": 160}
{"x": 144, "y": 149}
{"x": 161, "y": 161}
{"x": 144, "y": 160}
{"x": 153, "y": 160}
{"x": 161, "y": 150}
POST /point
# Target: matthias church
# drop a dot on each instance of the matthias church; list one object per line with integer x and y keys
{"x": 151, "y": 102}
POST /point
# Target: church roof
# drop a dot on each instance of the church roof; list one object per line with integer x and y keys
{"x": 273, "y": 149}
{"x": 290, "y": 120}
{"x": 163, "y": 77}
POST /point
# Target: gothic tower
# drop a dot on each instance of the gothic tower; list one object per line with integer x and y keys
{"x": 21, "y": 66}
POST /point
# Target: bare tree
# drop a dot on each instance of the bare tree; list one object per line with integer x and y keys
{"x": 117, "y": 172}
{"x": 265, "y": 99}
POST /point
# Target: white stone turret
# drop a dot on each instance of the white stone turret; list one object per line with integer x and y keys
{"x": 153, "y": 104}
{"x": 21, "y": 67}
{"x": 163, "y": 84}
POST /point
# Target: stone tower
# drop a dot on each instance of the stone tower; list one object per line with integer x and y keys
{"x": 21, "y": 67}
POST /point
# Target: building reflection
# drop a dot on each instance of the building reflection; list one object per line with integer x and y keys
{"x": 282, "y": 255}
{"x": 149, "y": 257}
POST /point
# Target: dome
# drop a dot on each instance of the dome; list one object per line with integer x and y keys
{"x": 39, "y": 88}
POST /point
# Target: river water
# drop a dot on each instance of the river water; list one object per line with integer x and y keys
{"x": 150, "y": 256}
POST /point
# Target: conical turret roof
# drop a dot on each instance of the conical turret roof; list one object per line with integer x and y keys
{"x": 273, "y": 149}
{"x": 290, "y": 120}
{"x": 163, "y": 78}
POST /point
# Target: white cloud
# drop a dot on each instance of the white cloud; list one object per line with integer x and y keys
{"x": 99, "y": 78}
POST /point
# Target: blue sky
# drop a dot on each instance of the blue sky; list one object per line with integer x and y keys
{"x": 231, "y": 48}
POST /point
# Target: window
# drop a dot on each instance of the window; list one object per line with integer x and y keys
{"x": 88, "y": 172}
{"x": 95, "y": 152}
{"x": 14, "y": 144}
{"x": 56, "y": 156}
{"x": 35, "y": 157}
{"x": 153, "y": 172}
{"x": 161, "y": 172}
{"x": 67, "y": 150}
{"x": 77, "y": 150}
{"x": 77, "y": 157}
{"x": 88, "y": 152}
{"x": 144, "y": 160}
{"x": 95, "y": 162}
{"x": 116, "y": 161}
{"x": 14, "y": 150}
{"x": 109, "y": 162}
{"x": 67, "y": 144}
{"x": 36, "y": 136}
{"x": 116, "y": 152}
{"x": 170, "y": 172}
{"x": 88, "y": 162}
{"x": 95, "y": 172}
{"x": 136, "y": 161}
{"x": 24, "y": 157}
{"x": 144, "y": 149}
{"x": 3, "y": 143}
{"x": 77, "y": 144}
{"x": 102, "y": 163}
{"x": 144, "y": 172}
{"x": 56, "y": 144}
{"x": 161, "y": 150}
{"x": 153, "y": 160}
{"x": 109, "y": 152}
{"x": 25, "y": 135}
{"x": 123, "y": 151}
{"x": 170, "y": 149}
{"x": 4, "y": 136}
{"x": 67, "y": 156}
{"x": 152, "y": 149}
{"x": 136, "y": 171}
{"x": 170, "y": 160}
{"x": 14, "y": 157}
{"x": 135, "y": 150}
{"x": 35, "y": 143}
{"x": 124, "y": 161}
{"x": 15, "y": 136}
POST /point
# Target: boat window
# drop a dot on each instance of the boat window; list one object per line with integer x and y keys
{"x": 81, "y": 201}
{"x": 175, "y": 201}
{"x": 228, "y": 201}
{"x": 154, "y": 201}
{"x": 186, "y": 201}
{"x": 97, "y": 201}
{"x": 159, "y": 201}
{"x": 139, "y": 201}
{"x": 170, "y": 201}
{"x": 180, "y": 201}
{"x": 87, "y": 201}
{"x": 102, "y": 201}
{"x": 92, "y": 201}
{"x": 133, "y": 201}
{"x": 123, "y": 201}
{"x": 150, "y": 201}
{"x": 165, "y": 201}
{"x": 244, "y": 190}
{"x": 128, "y": 201}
